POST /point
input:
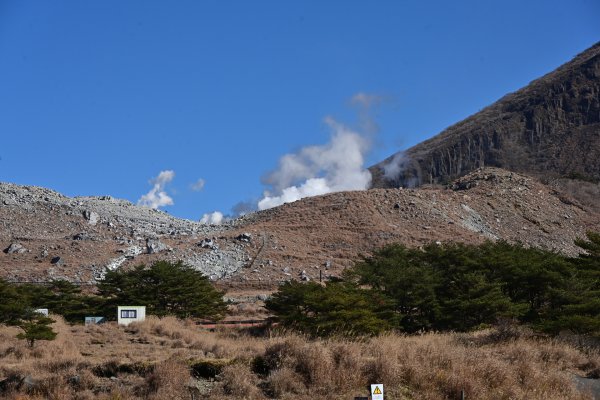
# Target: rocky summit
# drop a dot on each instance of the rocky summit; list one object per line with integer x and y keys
{"x": 549, "y": 129}
{"x": 46, "y": 235}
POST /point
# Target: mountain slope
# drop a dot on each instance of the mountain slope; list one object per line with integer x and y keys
{"x": 550, "y": 128}
{"x": 300, "y": 240}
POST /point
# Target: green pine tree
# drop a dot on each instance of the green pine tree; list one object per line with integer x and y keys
{"x": 337, "y": 308}
{"x": 165, "y": 288}
{"x": 12, "y": 305}
{"x": 36, "y": 326}
{"x": 576, "y": 306}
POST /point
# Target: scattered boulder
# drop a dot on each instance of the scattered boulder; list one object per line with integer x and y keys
{"x": 30, "y": 384}
{"x": 57, "y": 261}
{"x": 397, "y": 206}
{"x": 208, "y": 244}
{"x": 91, "y": 216}
{"x": 304, "y": 276}
{"x": 154, "y": 246}
{"x": 244, "y": 237}
{"x": 463, "y": 185}
{"x": 82, "y": 236}
{"x": 327, "y": 264}
{"x": 15, "y": 248}
{"x": 263, "y": 297}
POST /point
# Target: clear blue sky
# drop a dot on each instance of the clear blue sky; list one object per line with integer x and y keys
{"x": 98, "y": 97}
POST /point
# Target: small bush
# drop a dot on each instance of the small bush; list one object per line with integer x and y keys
{"x": 168, "y": 380}
{"x": 285, "y": 381}
{"x": 237, "y": 381}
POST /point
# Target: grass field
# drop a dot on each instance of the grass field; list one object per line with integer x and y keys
{"x": 172, "y": 359}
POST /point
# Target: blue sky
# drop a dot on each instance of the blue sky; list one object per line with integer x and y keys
{"x": 99, "y": 97}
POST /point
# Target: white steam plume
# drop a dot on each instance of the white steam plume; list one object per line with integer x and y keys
{"x": 364, "y": 102}
{"x": 198, "y": 185}
{"x": 392, "y": 168}
{"x": 316, "y": 170}
{"x": 157, "y": 197}
{"x": 398, "y": 165}
{"x": 214, "y": 218}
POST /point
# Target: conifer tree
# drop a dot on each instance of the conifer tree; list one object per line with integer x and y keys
{"x": 165, "y": 288}
{"x": 35, "y": 326}
{"x": 337, "y": 308}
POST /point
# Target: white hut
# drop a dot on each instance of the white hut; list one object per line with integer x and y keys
{"x": 129, "y": 314}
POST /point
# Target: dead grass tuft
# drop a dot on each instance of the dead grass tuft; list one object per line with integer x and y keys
{"x": 285, "y": 381}
{"x": 238, "y": 382}
{"x": 169, "y": 380}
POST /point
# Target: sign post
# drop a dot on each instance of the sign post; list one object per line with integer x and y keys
{"x": 377, "y": 391}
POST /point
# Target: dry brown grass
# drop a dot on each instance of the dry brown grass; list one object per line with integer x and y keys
{"x": 152, "y": 360}
{"x": 237, "y": 381}
{"x": 168, "y": 380}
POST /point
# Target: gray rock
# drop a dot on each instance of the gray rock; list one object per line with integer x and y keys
{"x": 15, "y": 248}
{"x": 91, "y": 217}
{"x": 30, "y": 384}
{"x": 263, "y": 297}
{"x": 244, "y": 237}
{"x": 304, "y": 276}
{"x": 327, "y": 264}
{"x": 154, "y": 246}
{"x": 57, "y": 261}
{"x": 208, "y": 244}
{"x": 82, "y": 236}
{"x": 588, "y": 385}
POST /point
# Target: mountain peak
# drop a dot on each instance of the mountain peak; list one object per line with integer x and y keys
{"x": 549, "y": 129}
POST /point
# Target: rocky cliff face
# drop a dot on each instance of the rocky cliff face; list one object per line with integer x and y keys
{"x": 550, "y": 128}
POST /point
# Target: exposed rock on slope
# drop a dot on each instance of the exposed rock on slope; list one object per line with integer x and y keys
{"x": 489, "y": 203}
{"x": 313, "y": 237}
{"x": 550, "y": 128}
{"x": 91, "y": 235}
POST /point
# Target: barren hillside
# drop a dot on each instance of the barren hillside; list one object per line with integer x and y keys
{"x": 53, "y": 236}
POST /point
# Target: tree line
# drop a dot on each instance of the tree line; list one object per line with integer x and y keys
{"x": 451, "y": 286}
{"x": 165, "y": 288}
{"x": 439, "y": 287}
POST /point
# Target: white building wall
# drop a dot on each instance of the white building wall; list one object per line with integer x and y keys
{"x": 129, "y": 314}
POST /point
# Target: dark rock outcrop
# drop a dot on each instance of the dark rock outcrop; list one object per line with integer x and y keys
{"x": 550, "y": 128}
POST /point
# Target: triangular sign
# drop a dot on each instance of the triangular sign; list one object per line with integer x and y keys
{"x": 377, "y": 390}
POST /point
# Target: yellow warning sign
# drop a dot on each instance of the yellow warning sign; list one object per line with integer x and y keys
{"x": 377, "y": 391}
